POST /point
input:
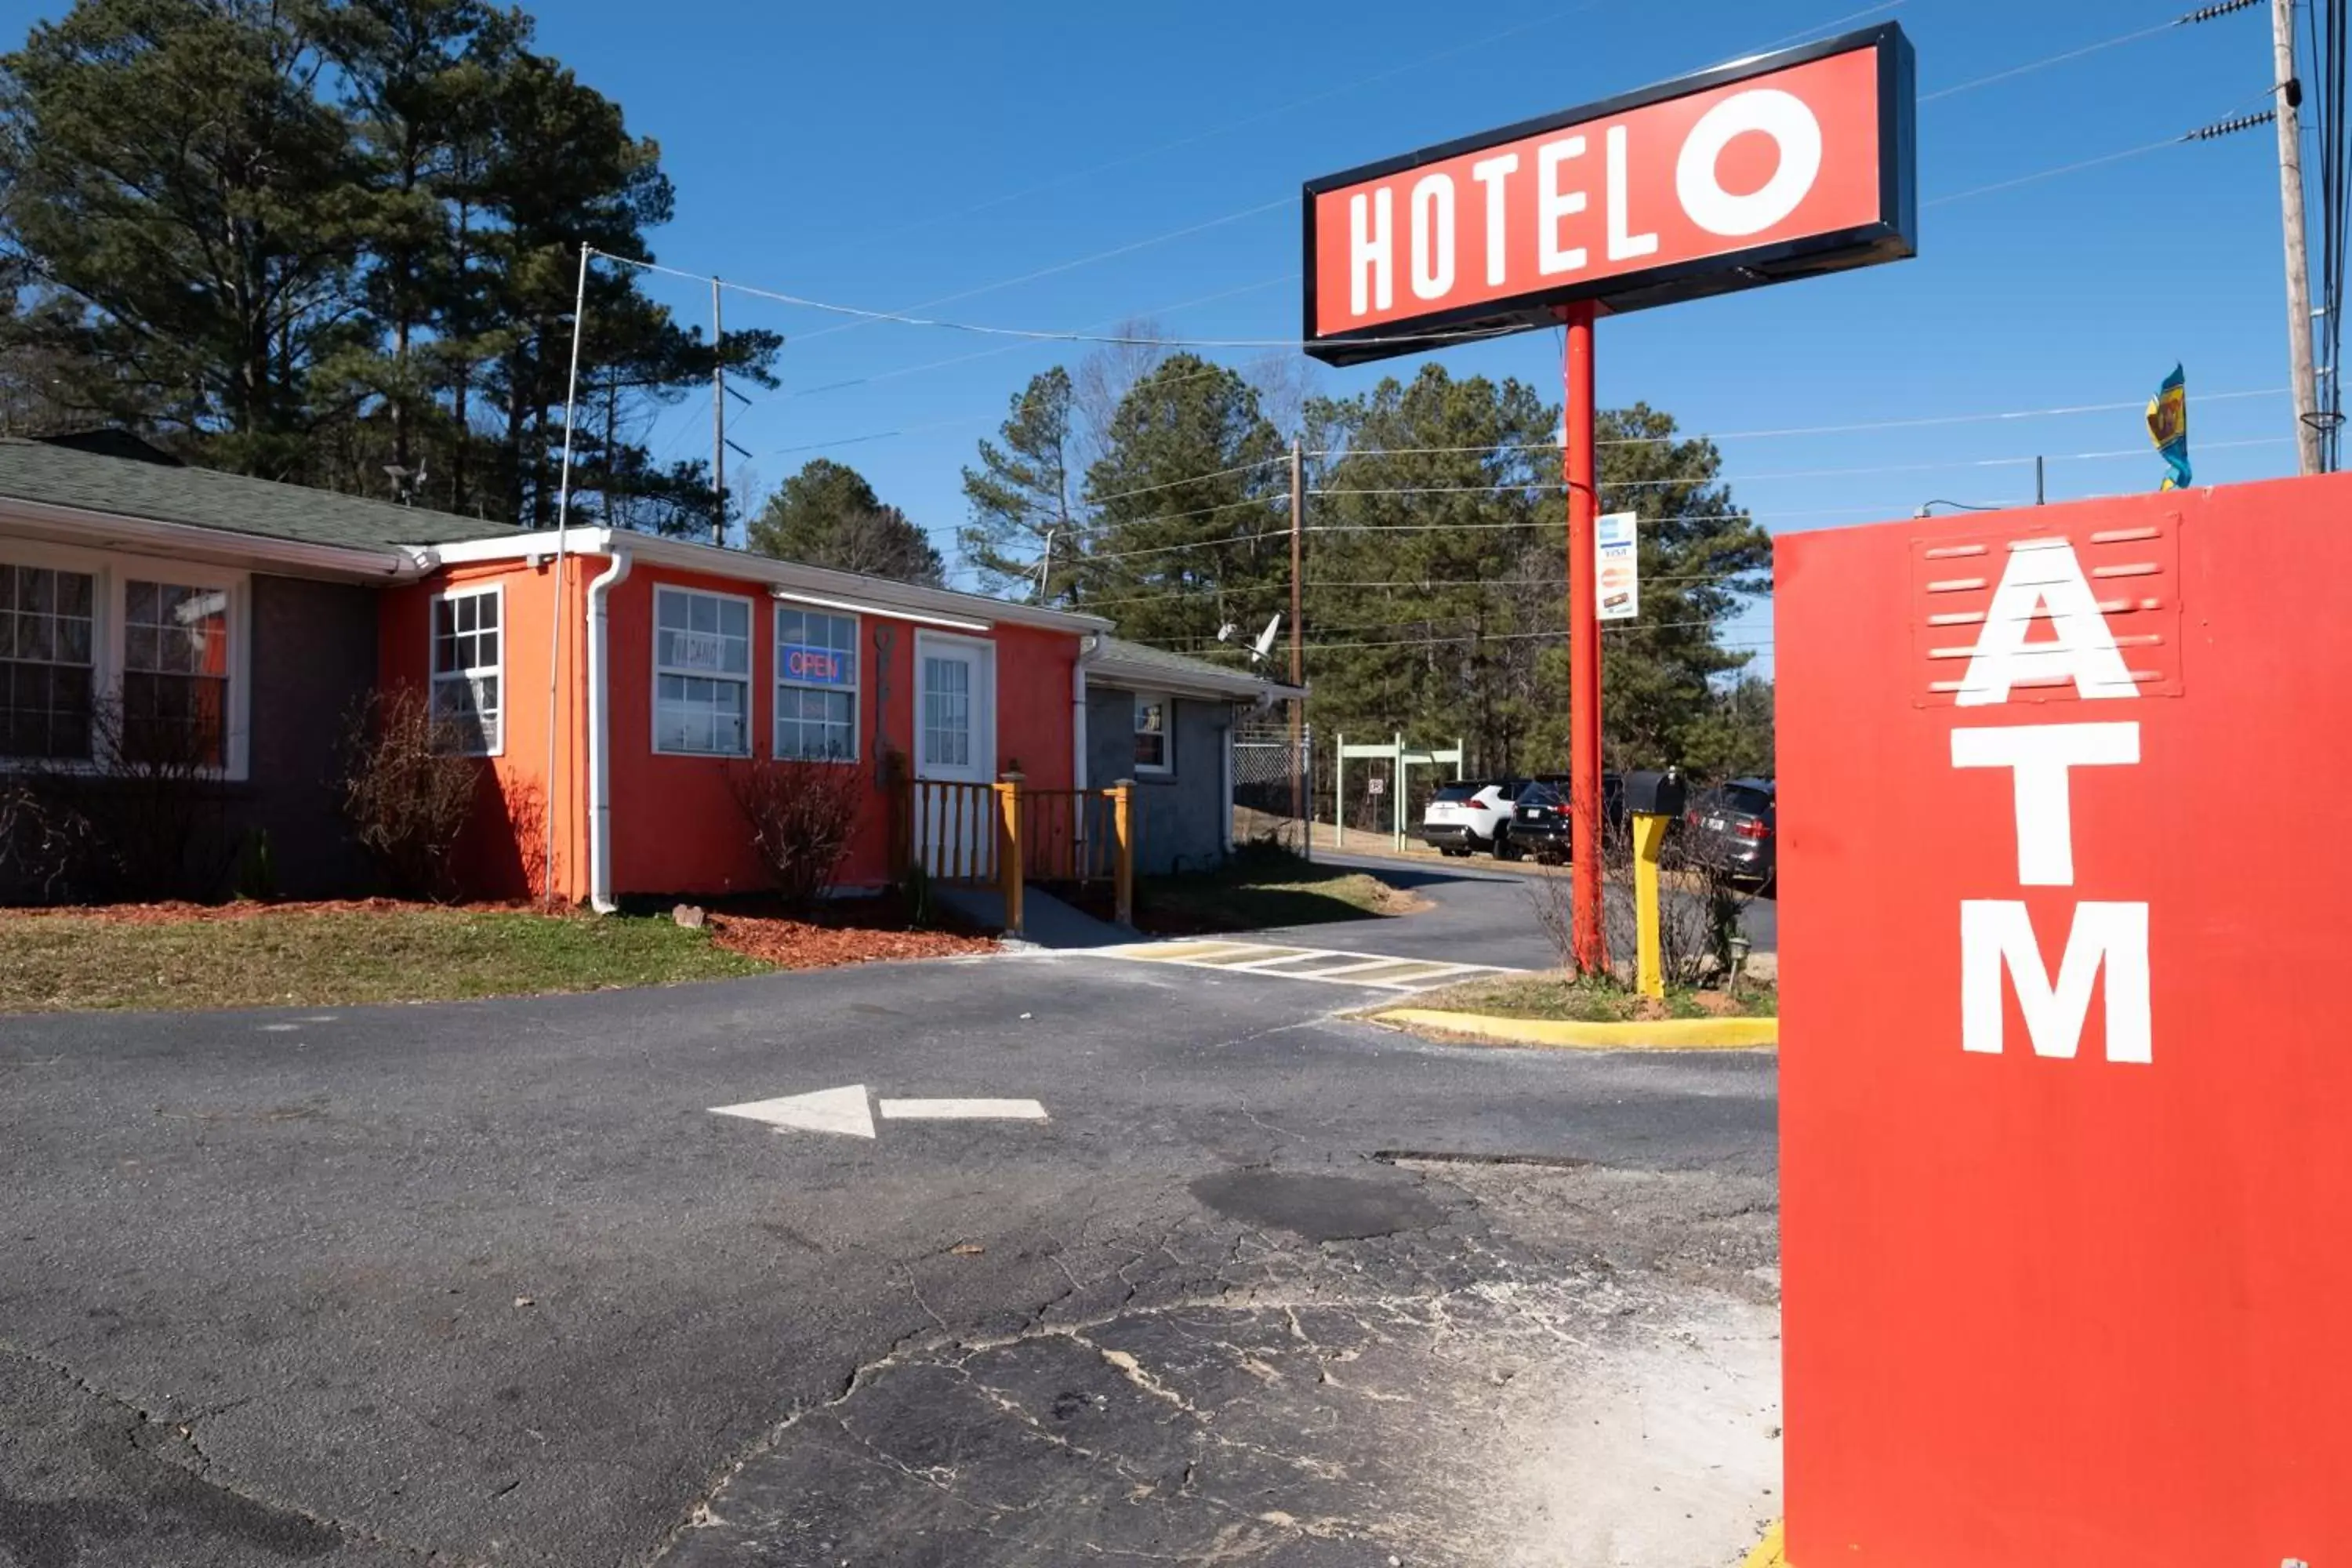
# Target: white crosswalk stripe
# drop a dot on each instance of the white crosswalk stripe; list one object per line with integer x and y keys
{"x": 1333, "y": 966}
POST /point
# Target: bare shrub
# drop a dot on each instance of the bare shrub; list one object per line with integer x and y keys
{"x": 802, "y": 815}
{"x": 1699, "y": 910}
{"x": 140, "y": 816}
{"x": 408, "y": 789}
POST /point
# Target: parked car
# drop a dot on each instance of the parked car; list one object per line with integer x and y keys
{"x": 1542, "y": 824}
{"x": 1471, "y": 814}
{"x": 1731, "y": 828}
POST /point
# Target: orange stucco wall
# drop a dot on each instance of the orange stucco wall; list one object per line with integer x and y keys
{"x": 676, "y": 828}
{"x": 504, "y": 854}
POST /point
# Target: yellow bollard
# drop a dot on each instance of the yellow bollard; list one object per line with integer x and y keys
{"x": 1649, "y": 837}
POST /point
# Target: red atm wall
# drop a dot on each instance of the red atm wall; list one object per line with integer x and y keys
{"x": 2045, "y": 1311}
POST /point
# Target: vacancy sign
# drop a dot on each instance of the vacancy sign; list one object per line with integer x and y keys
{"x": 1769, "y": 169}
{"x": 2064, "y": 1078}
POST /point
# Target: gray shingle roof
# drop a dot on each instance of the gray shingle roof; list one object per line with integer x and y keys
{"x": 203, "y": 498}
{"x": 1179, "y": 667}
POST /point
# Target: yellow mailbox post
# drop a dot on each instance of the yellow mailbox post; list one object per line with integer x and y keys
{"x": 1652, "y": 800}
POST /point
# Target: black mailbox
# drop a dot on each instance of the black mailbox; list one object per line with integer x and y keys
{"x": 1654, "y": 795}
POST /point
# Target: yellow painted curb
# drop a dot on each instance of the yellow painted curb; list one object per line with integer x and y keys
{"x": 1769, "y": 1551}
{"x": 1665, "y": 1035}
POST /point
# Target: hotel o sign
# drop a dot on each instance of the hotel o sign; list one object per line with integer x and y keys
{"x": 1763, "y": 171}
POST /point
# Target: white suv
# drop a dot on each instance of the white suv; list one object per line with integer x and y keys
{"x": 1472, "y": 815}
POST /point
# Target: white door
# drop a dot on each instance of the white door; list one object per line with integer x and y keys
{"x": 955, "y": 743}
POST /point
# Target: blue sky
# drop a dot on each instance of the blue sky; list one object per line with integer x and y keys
{"x": 892, "y": 156}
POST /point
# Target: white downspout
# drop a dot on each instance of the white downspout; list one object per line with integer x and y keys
{"x": 600, "y": 738}
{"x": 1086, "y": 646}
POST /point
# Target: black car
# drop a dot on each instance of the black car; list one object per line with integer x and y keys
{"x": 1731, "y": 828}
{"x": 1542, "y": 824}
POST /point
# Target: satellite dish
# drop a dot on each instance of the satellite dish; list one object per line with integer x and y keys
{"x": 1264, "y": 644}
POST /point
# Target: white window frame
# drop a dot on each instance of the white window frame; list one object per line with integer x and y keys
{"x": 113, "y": 569}
{"x": 749, "y": 678}
{"x": 1166, "y": 764}
{"x": 435, "y": 675}
{"x": 855, "y": 689}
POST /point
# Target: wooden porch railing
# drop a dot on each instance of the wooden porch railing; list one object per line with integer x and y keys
{"x": 1006, "y": 835}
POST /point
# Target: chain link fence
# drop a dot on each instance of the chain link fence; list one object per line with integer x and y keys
{"x": 1274, "y": 784}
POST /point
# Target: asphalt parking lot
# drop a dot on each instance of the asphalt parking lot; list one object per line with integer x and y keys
{"x": 490, "y": 1283}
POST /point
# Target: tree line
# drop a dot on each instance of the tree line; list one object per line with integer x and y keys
{"x": 1434, "y": 545}
{"x": 337, "y": 243}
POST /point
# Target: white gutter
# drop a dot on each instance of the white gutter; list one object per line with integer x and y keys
{"x": 77, "y": 525}
{"x": 860, "y": 608}
{"x": 600, "y": 738}
{"x": 881, "y": 594}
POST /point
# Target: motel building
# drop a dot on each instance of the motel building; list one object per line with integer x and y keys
{"x": 606, "y": 678}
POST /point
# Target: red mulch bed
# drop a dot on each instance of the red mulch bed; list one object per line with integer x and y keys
{"x": 846, "y": 931}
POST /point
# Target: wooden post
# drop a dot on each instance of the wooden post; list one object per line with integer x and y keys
{"x": 1008, "y": 850}
{"x": 1122, "y": 835}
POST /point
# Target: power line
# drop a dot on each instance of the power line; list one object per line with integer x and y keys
{"x": 2203, "y": 14}
{"x": 1031, "y": 335}
{"x": 2133, "y": 407}
{"x": 871, "y": 317}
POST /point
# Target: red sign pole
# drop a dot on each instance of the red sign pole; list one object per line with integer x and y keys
{"x": 1588, "y": 936}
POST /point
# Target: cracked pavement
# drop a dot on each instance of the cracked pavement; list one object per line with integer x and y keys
{"x": 486, "y": 1283}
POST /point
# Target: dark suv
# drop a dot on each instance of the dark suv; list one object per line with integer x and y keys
{"x": 1541, "y": 825}
{"x": 1731, "y": 828}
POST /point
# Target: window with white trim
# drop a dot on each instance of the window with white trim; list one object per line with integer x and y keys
{"x": 816, "y": 685}
{"x": 1155, "y": 739}
{"x": 702, "y": 673}
{"x": 48, "y": 662}
{"x": 470, "y": 669}
{"x": 174, "y": 673}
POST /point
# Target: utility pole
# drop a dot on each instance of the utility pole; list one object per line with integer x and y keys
{"x": 1299, "y": 802}
{"x": 717, "y": 424}
{"x": 2302, "y": 385}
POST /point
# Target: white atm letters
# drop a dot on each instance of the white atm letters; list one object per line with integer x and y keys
{"x": 2044, "y": 577}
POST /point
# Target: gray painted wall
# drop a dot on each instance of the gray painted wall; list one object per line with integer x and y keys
{"x": 1182, "y": 813}
{"x": 314, "y": 660}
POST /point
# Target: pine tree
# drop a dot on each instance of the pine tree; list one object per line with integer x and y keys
{"x": 1189, "y": 531}
{"x": 1022, "y": 534}
{"x": 828, "y": 515}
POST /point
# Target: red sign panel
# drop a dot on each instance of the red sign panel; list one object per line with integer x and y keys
{"x": 1776, "y": 168}
{"x": 2063, "y": 1085}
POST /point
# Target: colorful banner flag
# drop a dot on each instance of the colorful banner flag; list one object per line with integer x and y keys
{"x": 2168, "y": 426}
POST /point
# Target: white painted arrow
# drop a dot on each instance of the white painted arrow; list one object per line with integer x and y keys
{"x": 824, "y": 1111}
{"x": 845, "y": 1110}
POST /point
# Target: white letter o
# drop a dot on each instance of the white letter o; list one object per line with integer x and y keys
{"x": 1779, "y": 115}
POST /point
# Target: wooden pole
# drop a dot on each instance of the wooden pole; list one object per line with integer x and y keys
{"x": 1122, "y": 830}
{"x": 717, "y": 426}
{"x": 2301, "y": 383}
{"x": 1010, "y": 867}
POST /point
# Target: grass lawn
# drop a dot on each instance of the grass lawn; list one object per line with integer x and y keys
{"x": 326, "y": 958}
{"x": 1594, "y": 1001}
{"x": 1255, "y": 890}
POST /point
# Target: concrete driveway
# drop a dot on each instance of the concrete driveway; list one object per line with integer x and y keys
{"x": 488, "y": 1283}
{"x": 1479, "y": 913}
